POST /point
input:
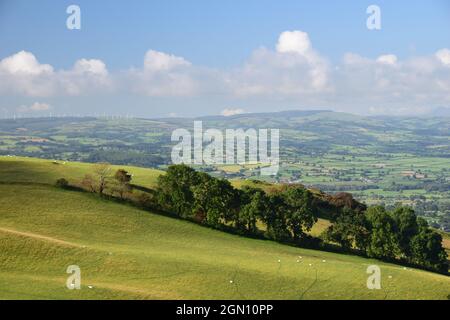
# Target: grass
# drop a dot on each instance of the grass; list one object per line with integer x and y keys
{"x": 127, "y": 253}
{"x": 32, "y": 170}
{"x": 320, "y": 226}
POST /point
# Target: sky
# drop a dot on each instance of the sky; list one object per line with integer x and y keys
{"x": 191, "y": 58}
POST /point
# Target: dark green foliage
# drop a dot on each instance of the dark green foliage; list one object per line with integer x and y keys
{"x": 174, "y": 189}
{"x": 254, "y": 204}
{"x": 349, "y": 230}
{"x": 398, "y": 234}
{"x": 215, "y": 199}
{"x": 406, "y": 228}
{"x": 299, "y": 211}
{"x": 275, "y": 218}
{"x": 426, "y": 248}
{"x": 383, "y": 242}
{"x": 288, "y": 213}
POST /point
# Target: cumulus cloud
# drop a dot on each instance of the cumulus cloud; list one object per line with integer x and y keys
{"x": 401, "y": 86}
{"x": 24, "y": 63}
{"x": 22, "y": 73}
{"x": 294, "y": 42}
{"x": 443, "y": 56}
{"x": 231, "y": 112}
{"x": 164, "y": 75}
{"x": 293, "y": 71}
{"x": 390, "y": 59}
{"x": 86, "y": 76}
{"x": 160, "y": 61}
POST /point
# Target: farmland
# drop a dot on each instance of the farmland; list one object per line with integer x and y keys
{"x": 379, "y": 160}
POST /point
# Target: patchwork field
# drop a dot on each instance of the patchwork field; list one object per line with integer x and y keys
{"x": 380, "y": 160}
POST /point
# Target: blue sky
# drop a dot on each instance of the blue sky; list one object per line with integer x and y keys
{"x": 222, "y": 37}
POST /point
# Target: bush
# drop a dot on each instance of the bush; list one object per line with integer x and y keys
{"x": 146, "y": 201}
{"x": 62, "y": 183}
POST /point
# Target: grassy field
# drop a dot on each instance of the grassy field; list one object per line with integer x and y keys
{"x": 33, "y": 170}
{"x": 127, "y": 253}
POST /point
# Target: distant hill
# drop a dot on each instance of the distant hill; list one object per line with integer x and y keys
{"x": 266, "y": 115}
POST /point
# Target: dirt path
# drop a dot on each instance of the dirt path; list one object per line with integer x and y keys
{"x": 40, "y": 237}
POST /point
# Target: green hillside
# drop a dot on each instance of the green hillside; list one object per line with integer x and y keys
{"x": 127, "y": 253}
{"x": 32, "y": 170}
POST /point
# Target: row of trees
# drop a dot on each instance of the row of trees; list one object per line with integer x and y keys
{"x": 283, "y": 214}
{"x": 390, "y": 235}
{"x": 103, "y": 182}
{"x": 286, "y": 214}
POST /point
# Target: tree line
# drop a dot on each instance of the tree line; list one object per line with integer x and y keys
{"x": 389, "y": 235}
{"x": 284, "y": 214}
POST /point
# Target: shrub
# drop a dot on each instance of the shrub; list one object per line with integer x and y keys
{"x": 62, "y": 183}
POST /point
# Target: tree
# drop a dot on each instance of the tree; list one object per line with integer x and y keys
{"x": 174, "y": 189}
{"x": 383, "y": 242}
{"x": 346, "y": 230}
{"x": 405, "y": 228}
{"x": 427, "y": 250}
{"x": 216, "y": 199}
{"x": 254, "y": 204}
{"x": 102, "y": 172}
{"x": 88, "y": 183}
{"x": 122, "y": 182}
{"x": 275, "y": 218}
{"x": 349, "y": 229}
{"x": 299, "y": 211}
{"x": 122, "y": 176}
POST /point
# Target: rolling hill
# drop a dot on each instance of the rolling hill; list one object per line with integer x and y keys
{"x": 128, "y": 253}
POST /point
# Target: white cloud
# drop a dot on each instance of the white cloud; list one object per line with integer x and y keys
{"x": 231, "y": 112}
{"x": 443, "y": 56}
{"x": 164, "y": 75}
{"x": 399, "y": 86}
{"x": 291, "y": 74}
{"x": 24, "y": 63}
{"x": 294, "y": 69}
{"x": 167, "y": 75}
{"x": 23, "y": 74}
{"x": 389, "y": 59}
{"x": 92, "y": 66}
{"x": 86, "y": 76}
{"x": 294, "y": 42}
{"x": 160, "y": 61}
